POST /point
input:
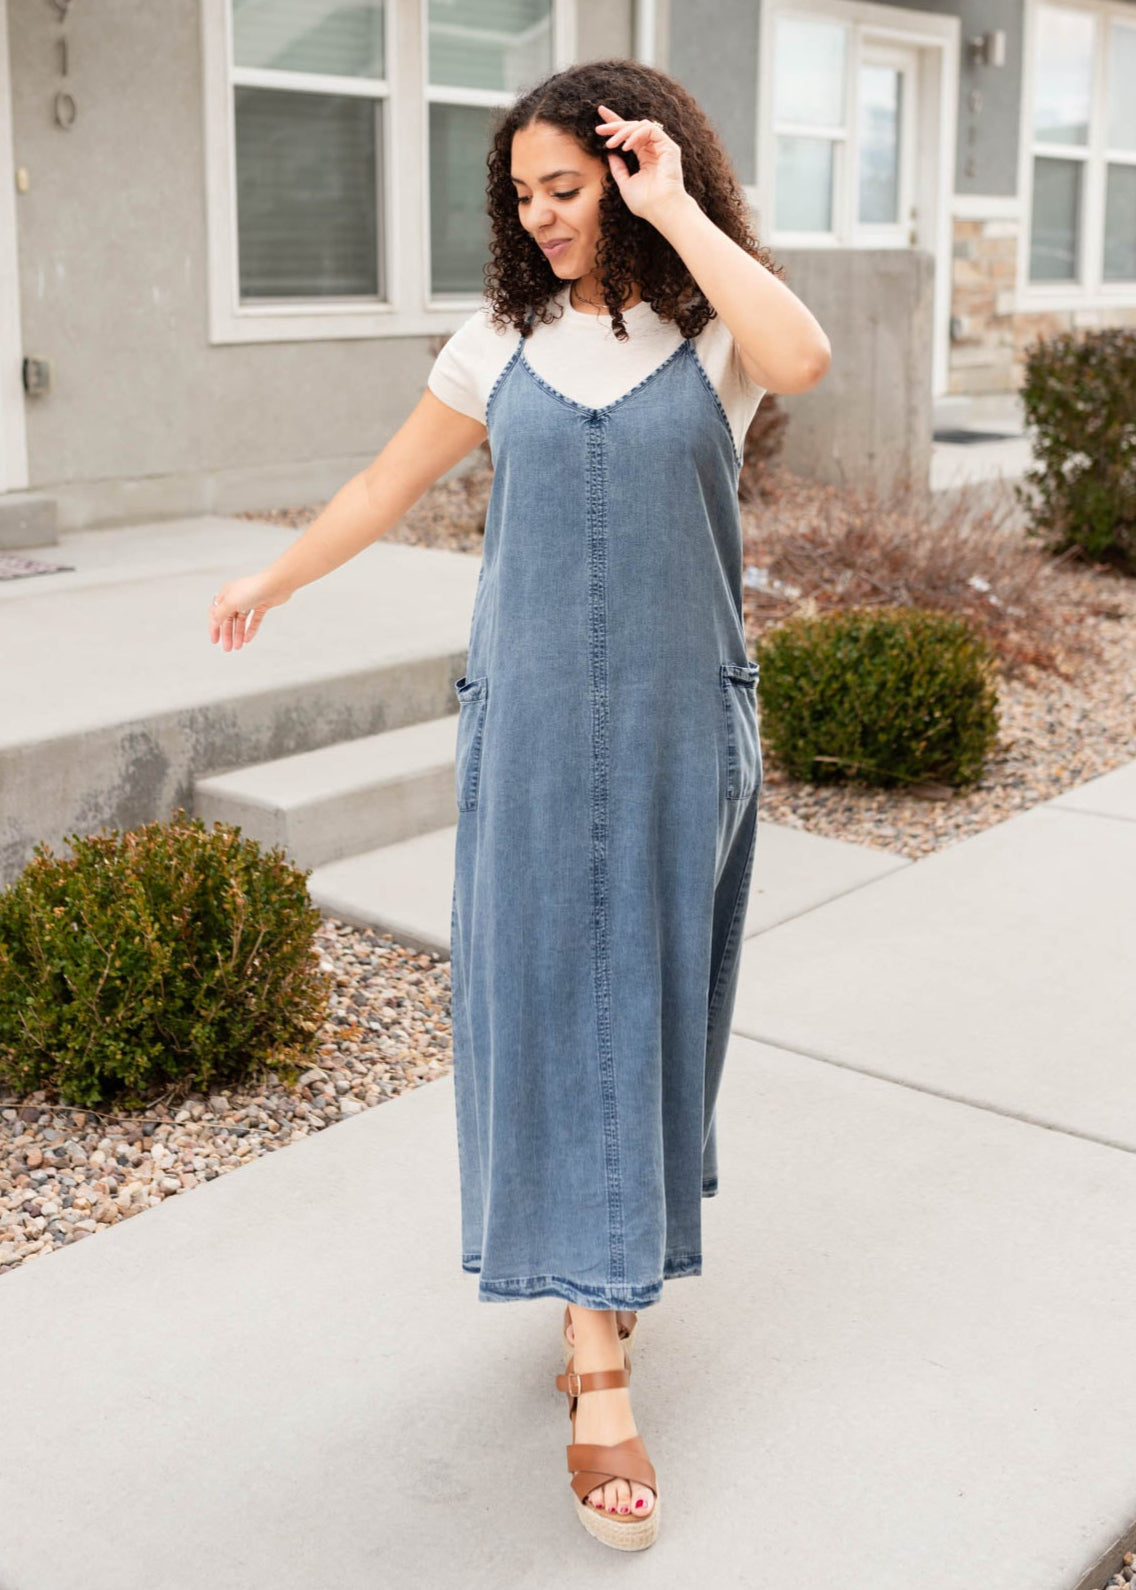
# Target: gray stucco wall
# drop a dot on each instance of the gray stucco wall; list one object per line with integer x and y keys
{"x": 146, "y": 416}
{"x": 986, "y": 149}
{"x": 712, "y": 48}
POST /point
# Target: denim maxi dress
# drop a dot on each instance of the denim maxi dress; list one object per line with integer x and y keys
{"x": 607, "y": 779}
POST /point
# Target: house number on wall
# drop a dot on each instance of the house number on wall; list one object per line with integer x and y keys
{"x": 65, "y": 107}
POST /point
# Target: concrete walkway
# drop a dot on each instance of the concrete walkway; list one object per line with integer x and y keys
{"x": 908, "y": 1360}
{"x": 996, "y": 446}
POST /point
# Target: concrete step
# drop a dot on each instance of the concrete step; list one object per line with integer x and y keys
{"x": 342, "y": 799}
{"x": 124, "y": 701}
{"x": 407, "y": 888}
{"x": 28, "y": 519}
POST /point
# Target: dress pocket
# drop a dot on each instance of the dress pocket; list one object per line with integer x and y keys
{"x": 473, "y": 696}
{"x": 743, "y": 743}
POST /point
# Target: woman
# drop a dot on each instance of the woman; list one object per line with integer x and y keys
{"x": 608, "y": 760}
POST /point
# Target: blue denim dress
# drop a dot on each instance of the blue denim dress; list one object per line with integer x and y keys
{"x": 607, "y": 779}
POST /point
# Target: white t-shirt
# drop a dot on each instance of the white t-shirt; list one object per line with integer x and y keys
{"x": 580, "y": 355}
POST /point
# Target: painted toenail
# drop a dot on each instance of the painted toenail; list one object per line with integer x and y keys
{"x": 640, "y": 1503}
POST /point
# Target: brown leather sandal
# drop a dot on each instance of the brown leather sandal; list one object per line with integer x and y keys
{"x": 626, "y": 1334}
{"x": 591, "y": 1465}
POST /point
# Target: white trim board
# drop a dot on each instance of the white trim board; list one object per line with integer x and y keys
{"x": 13, "y": 428}
{"x": 987, "y": 207}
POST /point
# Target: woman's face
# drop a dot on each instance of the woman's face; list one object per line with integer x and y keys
{"x": 558, "y": 187}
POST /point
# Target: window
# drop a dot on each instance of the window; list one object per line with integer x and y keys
{"x": 1082, "y": 148}
{"x": 345, "y": 145}
{"x": 844, "y": 127}
{"x": 1120, "y": 155}
{"x": 809, "y": 121}
{"x": 480, "y": 54}
{"x": 309, "y": 101}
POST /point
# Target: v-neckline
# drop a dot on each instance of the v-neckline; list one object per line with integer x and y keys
{"x": 602, "y": 408}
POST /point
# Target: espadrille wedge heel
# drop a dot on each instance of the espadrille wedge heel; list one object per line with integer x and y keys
{"x": 592, "y": 1465}
{"x": 568, "y": 1346}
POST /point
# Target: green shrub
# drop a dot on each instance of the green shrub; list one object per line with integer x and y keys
{"x": 166, "y": 955}
{"x": 1079, "y": 397}
{"x": 887, "y": 694}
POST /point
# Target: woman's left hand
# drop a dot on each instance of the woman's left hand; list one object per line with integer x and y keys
{"x": 658, "y": 182}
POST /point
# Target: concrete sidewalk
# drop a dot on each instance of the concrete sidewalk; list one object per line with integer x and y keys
{"x": 908, "y": 1360}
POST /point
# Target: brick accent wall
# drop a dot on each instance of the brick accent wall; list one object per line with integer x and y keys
{"x": 989, "y": 354}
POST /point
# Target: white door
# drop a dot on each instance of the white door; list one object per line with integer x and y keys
{"x": 887, "y": 116}
{"x": 857, "y": 134}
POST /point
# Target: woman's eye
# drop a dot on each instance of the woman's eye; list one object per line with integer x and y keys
{"x": 571, "y": 195}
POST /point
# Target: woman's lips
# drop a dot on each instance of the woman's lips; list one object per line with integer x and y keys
{"x": 557, "y": 246}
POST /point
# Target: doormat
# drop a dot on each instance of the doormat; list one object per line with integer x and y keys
{"x": 975, "y": 436}
{"x": 17, "y": 568}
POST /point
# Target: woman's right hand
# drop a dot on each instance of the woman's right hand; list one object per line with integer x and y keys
{"x": 238, "y": 608}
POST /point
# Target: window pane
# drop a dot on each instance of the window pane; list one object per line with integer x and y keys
{"x": 1056, "y": 219}
{"x": 1064, "y": 66}
{"x": 307, "y": 210}
{"x": 1120, "y": 225}
{"x": 804, "y": 185}
{"x": 1121, "y": 86}
{"x": 808, "y": 68}
{"x": 880, "y": 109}
{"x": 500, "y": 44}
{"x": 341, "y": 37}
{"x": 459, "y": 224}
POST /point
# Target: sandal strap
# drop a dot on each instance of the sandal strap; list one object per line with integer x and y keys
{"x": 574, "y": 1381}
{"x": 593, "y": 1465}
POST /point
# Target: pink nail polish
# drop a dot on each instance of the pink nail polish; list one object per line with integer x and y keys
{"x": 640, "y": 1503}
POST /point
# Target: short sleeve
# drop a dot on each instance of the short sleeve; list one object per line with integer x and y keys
{"x": 463, "y": 373}
{"x": 743, "y": 381}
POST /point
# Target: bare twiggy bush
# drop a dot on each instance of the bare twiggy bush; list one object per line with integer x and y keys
{"x": 811, "y": 548}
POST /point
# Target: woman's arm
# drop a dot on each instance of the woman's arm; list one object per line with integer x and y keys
{"x": 432, "y": 439}
{"x": 781, "y": 343}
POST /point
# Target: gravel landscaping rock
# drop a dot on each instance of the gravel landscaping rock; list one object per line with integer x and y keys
{"x": 66, "y": 1173}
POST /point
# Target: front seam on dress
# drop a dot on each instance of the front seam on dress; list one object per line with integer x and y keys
{"x": 597, "y": 619}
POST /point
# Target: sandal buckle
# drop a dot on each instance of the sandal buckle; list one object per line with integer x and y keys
{"x": 574, "y": 1376}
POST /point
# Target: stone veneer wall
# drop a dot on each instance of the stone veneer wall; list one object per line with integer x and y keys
{"x": 989, "y": 356}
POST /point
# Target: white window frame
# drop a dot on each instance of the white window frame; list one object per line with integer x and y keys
{"x": 1091, "y": 292}
{"x": 938, "y": 37}
{"x": 13, "y": 429}
{"x": 409, "y": 308}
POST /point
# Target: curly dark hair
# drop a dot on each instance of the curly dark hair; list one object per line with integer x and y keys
{"x": 630, "y": 251}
